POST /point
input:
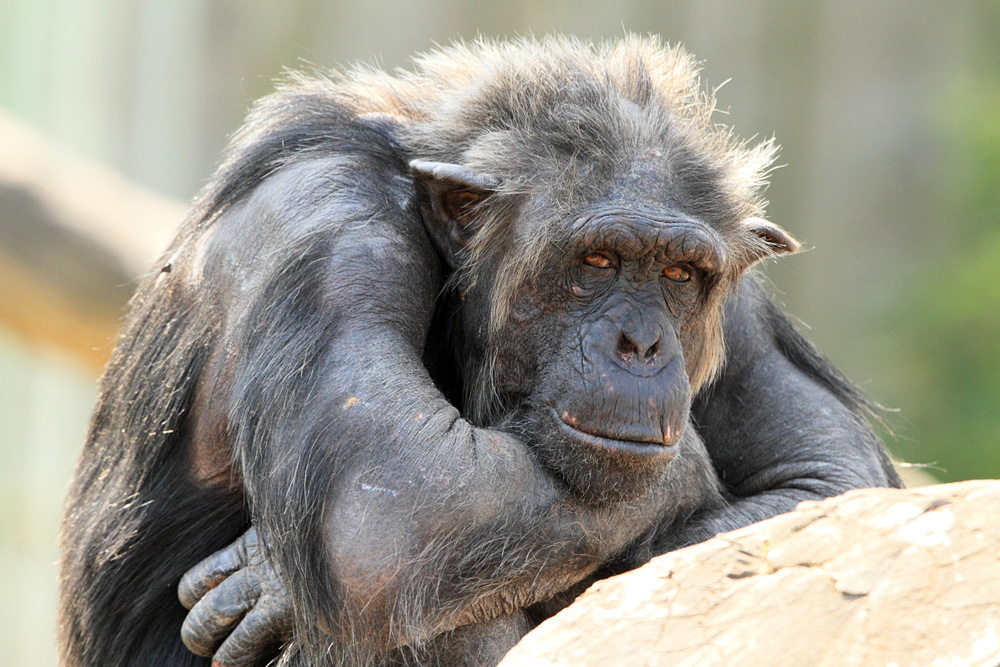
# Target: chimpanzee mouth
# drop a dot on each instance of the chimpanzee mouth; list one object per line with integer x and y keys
{"x": 640, "y": 448}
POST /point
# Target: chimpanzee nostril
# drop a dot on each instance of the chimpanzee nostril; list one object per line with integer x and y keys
{"x": 626, "y": 349}
{"x": 631, "y": 351}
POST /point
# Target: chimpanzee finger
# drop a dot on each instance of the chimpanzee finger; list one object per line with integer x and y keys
{"x": 214, "y": 616}
{"x": 258, "y": 637}
{"x": 210, "y": 572}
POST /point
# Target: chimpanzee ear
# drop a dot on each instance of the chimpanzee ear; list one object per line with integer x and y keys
{"x": 447, "y": 194}
{"x": 775, "y": 240}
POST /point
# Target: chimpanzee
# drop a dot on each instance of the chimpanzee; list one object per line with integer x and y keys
{"x": 449, "y": 344}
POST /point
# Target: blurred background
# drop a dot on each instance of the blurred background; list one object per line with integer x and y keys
{"x": 113, "y": 112}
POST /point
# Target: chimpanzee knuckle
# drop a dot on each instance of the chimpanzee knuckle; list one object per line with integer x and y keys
{"x": 276, "y": 606}
{"x": 243, "y": 546}
{"x": 202, "y": 631}
{"x": 195, "y": 584}
{"x": 254, "y": 640}
{"x": 209, "y": 573}
{"x": 233, "y": 597}
{"x": 211, "y": 620}
{"x": 191, "y": 589}
{"x": 196, "y": 639}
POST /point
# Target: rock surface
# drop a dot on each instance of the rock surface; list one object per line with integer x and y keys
{"x": 873, "y": 577}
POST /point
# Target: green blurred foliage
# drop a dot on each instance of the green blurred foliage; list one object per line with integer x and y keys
{"x": 949, "y": 318}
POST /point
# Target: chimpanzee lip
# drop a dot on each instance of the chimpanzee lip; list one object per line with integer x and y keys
{"x": 639, "y": 448}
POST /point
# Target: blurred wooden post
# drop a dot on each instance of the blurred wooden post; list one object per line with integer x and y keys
{"x": 74, "y": 236}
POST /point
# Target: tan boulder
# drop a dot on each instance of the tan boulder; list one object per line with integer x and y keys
{"x": 873, "y": 577}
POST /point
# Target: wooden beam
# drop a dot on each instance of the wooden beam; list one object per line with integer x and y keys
{"x": 74, "y": 237}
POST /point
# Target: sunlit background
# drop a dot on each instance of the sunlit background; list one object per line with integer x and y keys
{"x": 888, "y": 114}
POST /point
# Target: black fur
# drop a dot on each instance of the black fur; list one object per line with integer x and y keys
{"x": 278, "y": 373}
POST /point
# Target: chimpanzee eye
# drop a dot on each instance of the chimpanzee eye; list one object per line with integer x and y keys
{"x": 597, "y": 260}
{"x": 677, "y": 273}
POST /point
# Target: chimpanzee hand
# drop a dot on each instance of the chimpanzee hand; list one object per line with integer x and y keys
{"x": 239, "y": 610}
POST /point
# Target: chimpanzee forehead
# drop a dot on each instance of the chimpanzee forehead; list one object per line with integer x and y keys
{"x": 668, "y": 181}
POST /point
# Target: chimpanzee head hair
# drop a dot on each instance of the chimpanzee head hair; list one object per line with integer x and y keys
{"x": 561, "y": 124}
{"x": 558, "y": 127}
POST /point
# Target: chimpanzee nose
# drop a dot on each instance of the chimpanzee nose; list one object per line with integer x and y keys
{"x": 639, "y": 347}
{"x": 634, "y": 337}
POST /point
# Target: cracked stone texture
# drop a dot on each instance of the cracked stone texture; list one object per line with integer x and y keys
{"x": 873, "y": 577}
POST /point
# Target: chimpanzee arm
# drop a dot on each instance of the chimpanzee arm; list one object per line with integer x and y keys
{"x": 422, "y": 523}
{"x": 780, "y": 423}
{"x": 390, "y": 517}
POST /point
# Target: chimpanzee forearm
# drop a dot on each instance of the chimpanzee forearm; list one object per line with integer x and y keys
{"x": 418, "y": 539}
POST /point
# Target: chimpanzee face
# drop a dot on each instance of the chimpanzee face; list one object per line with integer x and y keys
{"x": 603, "y": 343}
{"x": 600, "y": 347}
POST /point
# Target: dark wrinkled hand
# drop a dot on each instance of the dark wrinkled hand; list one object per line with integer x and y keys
{"x": 239, "y": 610}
